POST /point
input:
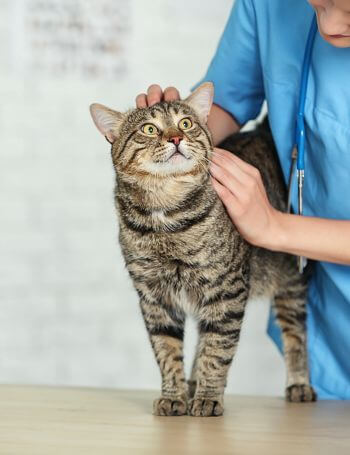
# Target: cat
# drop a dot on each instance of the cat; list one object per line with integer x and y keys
{"x": 184, "y": 255}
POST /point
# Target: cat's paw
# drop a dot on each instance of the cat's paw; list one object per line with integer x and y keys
{"x": 169, "y": 407}
{"x": 298, "y": 393}
{"x": 205, "y": 407}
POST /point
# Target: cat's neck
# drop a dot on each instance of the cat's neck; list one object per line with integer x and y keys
{"x": 154, "y": 194}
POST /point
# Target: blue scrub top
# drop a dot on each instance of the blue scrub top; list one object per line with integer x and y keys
{"x": 260, "y": 57}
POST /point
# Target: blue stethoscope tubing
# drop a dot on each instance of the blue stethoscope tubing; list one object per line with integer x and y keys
{"x": 298, "y": 152}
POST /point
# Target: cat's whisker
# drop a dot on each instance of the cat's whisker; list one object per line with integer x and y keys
{"x": 207, "y": 159}
{"x": 198, "y": 154}
{"x": 204, "y": 169}
{"x": 201, "y": 157}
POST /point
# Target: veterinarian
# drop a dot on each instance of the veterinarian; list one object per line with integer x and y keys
{"x": 260, "y": 57}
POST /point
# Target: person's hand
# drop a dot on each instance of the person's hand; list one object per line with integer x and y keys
{"x": 155, "y": 95}
{"x": 240, "y": 187}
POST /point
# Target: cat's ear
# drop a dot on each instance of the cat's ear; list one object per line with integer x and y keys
{"x": 201, "y": 100}
{"x": 108, "y": 122}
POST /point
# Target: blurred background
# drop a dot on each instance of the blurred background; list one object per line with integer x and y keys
{"x": 68, "y": 311}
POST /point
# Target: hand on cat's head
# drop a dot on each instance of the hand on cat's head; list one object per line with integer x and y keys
{"x": 156, "y": 95}
{"x": 165, "y": 137}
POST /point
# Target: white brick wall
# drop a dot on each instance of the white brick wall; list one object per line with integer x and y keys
{"x": 68, "y": 312}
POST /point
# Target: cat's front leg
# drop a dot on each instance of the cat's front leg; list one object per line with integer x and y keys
{"x": 219, "y": 329}
{"x": 166, "y": 331}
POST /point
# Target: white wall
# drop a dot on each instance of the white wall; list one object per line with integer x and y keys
{"x": 69, "y": 314}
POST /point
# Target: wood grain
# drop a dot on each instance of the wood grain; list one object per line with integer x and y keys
{"x": 36, "y": 420}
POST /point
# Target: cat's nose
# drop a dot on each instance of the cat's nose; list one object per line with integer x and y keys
{"x": 175, "y": 139}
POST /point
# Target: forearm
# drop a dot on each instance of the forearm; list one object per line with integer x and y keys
{"x": 221, "y": 124}
{"x": 315, "y": 238}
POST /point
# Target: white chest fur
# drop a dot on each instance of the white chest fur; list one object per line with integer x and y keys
{"x": 182, "y": 300}
{"x": 158, "y": 215}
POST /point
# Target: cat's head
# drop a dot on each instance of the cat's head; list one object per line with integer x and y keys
{"x": 169, "y": 139}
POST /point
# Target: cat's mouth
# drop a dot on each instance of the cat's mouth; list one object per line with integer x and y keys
{"x": 177, "y": 155}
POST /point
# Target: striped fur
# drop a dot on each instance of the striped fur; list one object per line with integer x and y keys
{"x": 184, "y": 255}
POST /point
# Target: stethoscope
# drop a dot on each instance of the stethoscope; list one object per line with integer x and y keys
{"x": 298, "y": 150}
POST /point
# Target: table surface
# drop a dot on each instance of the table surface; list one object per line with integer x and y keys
{"x": 37, "y": 420}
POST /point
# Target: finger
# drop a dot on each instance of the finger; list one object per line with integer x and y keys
{"x": 234, "y": 158}
{"x": 141, "y": 100}
{"x": 154, "y": 94}
{"x": 230, "y": 181}
{"x": 229, "y": 200}
{"x": 241, "y": 169}
{"x": 227, "y": 164}
{"x": 251, "y": 170}
{"x": 171, "y": 94}
{"x": 224, "y": 157}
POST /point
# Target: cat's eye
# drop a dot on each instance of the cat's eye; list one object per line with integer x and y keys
{"x": 150, "y": 129}
{"x": 185, "y": 124}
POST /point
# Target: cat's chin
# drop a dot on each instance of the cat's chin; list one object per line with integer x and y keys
{"x": 176, "y": 164}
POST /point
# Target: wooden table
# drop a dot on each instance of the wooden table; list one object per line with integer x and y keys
{"x": 66, "y": 421}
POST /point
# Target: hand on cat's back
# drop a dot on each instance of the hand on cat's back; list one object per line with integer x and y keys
{"x": 240, "y": 187}
{"x": 155, "y": 94}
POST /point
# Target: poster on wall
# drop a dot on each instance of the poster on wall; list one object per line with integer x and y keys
{"x": 85, "y": 38}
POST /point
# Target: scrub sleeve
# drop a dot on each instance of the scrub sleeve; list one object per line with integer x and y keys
{"x": 235, "y": 69}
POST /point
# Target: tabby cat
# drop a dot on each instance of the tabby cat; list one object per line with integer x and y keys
{"x": 184, "y": 255}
